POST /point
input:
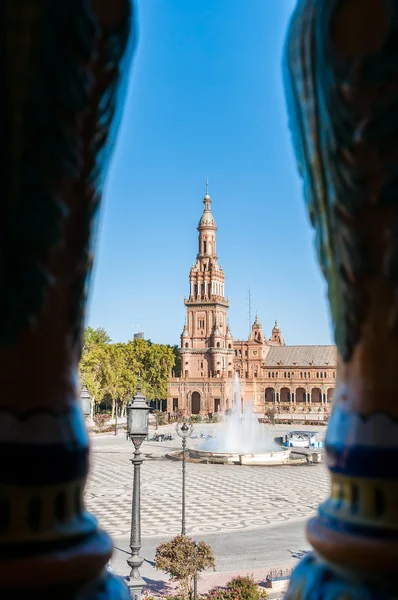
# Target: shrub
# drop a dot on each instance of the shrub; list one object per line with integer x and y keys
{"x": 270, "y": 413}
{"x": 196, "y": 418}
{"x": 182, "y": 559}
{"x": 239, "y": 588}
{"x": 161, "y": 417}
{"x": 246, "y": 588}
{"x": 100, "y": 420}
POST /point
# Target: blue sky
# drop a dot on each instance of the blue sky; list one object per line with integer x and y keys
{"x": 206, "y": 99}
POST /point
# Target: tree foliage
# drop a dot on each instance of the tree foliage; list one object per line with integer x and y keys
{"x": 181, "y": 558}
{"x": 95, "y": 336}
{"x": 110, "y": 371}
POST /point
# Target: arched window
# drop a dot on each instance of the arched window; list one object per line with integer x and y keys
{"x": 218, "y": 344}
{"x": 186, "y": 344}
{"x": 229, "y": 346}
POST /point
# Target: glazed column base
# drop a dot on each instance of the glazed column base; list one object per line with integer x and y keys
{"x": 365, "y": 569}
{"x": 105, "y": 587}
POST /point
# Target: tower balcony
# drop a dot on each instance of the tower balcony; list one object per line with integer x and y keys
{"x": 200, "y": 300}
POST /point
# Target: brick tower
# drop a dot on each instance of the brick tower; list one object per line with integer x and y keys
{"x": 206, "y": 342}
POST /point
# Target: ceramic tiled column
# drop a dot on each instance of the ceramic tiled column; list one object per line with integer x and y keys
{"x": 342, "y": 91}
{"x": 62, "y": 64}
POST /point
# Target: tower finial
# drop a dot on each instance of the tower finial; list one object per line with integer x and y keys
{"x": 207, "y": 186}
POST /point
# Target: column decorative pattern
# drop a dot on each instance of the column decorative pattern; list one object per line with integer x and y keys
{"x": 341, "y": 65}
{"x": 63, "y": 69}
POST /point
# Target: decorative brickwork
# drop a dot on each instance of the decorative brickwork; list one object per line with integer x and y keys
{"x": 298, "y": 378}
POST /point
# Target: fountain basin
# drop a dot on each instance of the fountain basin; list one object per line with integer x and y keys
{"x": 274, "y": 457}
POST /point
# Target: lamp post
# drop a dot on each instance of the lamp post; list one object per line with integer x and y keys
{"x": 137, "y": 430}
{"x": 85, "y": 400}
{"x": 184, "y": 429}
{"x": 195, "y": 577}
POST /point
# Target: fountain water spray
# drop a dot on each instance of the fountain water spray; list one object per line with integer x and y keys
{"x": 240, "y": 433}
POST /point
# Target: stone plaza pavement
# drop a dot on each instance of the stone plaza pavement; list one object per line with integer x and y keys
{"x": 219, "y": 498}
{"x": 253, "y": 517}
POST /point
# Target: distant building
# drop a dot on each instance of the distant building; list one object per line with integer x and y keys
{"x": 139, "y": 335}
{"x": 292, "y": 377}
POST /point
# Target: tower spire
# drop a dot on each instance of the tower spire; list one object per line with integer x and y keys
{"x": 207, "y": 186}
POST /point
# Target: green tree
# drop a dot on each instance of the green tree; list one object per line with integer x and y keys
{"x": 92, "y": 372}
{"x": 114, "y": 367}
{"x": 95, "y": 336}
{"x": 157, "y": 368}
{"x": 177, "y": 360}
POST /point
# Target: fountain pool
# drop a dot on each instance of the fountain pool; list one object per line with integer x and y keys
{"x": 241, "y": 439}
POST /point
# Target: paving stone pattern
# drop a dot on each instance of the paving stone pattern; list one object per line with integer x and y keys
{"x": 218, "y": 497}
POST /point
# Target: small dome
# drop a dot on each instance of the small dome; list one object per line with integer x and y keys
{"x": 207, "y": 218}
{"x": 256, "y": 324}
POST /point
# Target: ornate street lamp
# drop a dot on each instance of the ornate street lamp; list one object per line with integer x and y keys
{"x": 85, "y": 400}
{"x": 137, "y": 430}
{"x": 184, "y": 429}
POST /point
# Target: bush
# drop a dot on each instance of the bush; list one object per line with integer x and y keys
{"x": 239, "y": 588}
{"x": 161, "y": 417}
{"x": 182, "y": 559}
{"x": 196, "y": 418}
{"x": 100, "y": 420}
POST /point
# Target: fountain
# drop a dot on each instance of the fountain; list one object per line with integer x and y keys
{"x": 241, "y": 439}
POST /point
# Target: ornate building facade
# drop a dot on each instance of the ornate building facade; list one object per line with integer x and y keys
{"x": 298, "y": 378}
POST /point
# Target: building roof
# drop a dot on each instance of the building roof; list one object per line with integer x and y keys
{"x": 302, "y": 356}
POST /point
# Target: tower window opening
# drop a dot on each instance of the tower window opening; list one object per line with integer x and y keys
{"x": 229, "y": 346}
{"x": 218, "y": 344}
{"x": 205, "y": 247}
{"x": 186, "y": 344}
